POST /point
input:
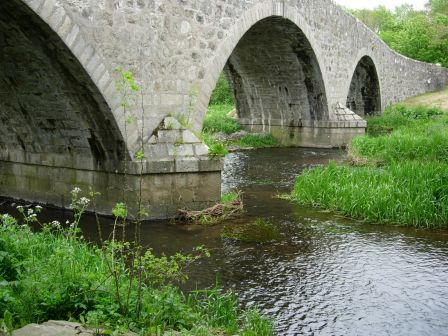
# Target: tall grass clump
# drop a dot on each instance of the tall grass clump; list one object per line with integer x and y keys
{"x": 406, "y": 193}
{"x": 217, "y": 120}
{"x": 402, "y": 173}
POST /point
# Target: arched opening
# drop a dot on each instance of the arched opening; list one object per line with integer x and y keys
{"x": 364, "y": 97}
{"x": 275, "y": 76}
{"x": 48, "y": 103}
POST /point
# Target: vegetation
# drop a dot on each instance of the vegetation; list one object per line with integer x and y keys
{"x": 403, "y": 173}
{"x": 259, "y": 231}
{"x": 257, "y": 141}
{"x": 422, "y": 35}
{"x": 56, "y": 274}
{"x": 218, "y": 125}
{"x": 222, "y": 94}
{"x": 217, "y": 120}
{"x": 404, "y": 133}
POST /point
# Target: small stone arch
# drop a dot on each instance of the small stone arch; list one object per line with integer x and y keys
{"x": 364, "y": 95}
{"x": 298, "y": 93}
{"x": 53, "y": 85}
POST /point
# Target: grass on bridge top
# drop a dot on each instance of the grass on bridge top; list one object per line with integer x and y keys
{"x": 398, "y": 173}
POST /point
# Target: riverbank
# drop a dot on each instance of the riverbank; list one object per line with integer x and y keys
{"x": 398, "y": 172}
{"x": 55, "y": 274}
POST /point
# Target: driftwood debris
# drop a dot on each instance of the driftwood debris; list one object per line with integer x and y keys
{"x": 218, "y": 211}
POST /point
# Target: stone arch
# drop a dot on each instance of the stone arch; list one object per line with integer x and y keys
{"x": 53, "y": 87}
{"x": 298, "y": 93}
{"x": 364, "y": 94}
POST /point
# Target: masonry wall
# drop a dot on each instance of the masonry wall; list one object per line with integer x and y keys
{"x": 176, "y": 47}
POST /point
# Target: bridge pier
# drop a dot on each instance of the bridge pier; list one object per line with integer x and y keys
{"x": 344, "y": 126}
{"x": 166, "y": 186}
{"x": 178, "y": 174}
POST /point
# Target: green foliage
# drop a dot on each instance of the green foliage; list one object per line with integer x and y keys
{"x": 422, "y": 35}
{"x": 217, "y": 149}
{"x": 230, "y": 197}
{"x": 120, "y": 211}
{"x": 257, "y": 325}
{"x": 258, "y": 231}
{"x": 406, "y": 193}
{"x": 55, "y": 274}
{"x": 217, "y": 120}
{"x": 418, "y": 133}
{"x": 222, "y": 94}
{"x": 257, "y": 141}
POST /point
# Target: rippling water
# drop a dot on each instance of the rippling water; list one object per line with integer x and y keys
{"x": 328, "y": 275}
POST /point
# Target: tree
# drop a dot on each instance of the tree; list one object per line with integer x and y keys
{"x": 422, "y": 35}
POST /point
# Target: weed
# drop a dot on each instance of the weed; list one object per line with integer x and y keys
{"x": 217, "y": 120}
{"x": 58, "y": 275}
{"x": 257, "y": 141}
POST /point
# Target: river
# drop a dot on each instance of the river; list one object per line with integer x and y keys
{"x": 328, "y": 275}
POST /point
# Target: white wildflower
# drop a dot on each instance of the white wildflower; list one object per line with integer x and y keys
{"x": 30, "y": 211}
{"x": 56, "y": 224}
{"x": 76, "y": 191}
{"x": 84, "y": 201}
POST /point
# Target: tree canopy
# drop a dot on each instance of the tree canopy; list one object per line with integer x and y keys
{"x": 421, "y": 35}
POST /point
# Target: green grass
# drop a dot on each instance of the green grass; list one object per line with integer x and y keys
{"x": 52, "y": 274}
{"x": 230, "y": 197}
{"x": 404, "y": 177}
{"x": 222, "y": 94}
{"x": 217, "y": 120}
{"x": 406, "y": 193}
{"x": 257, "y": 141}
{"x": 404, "y": 134}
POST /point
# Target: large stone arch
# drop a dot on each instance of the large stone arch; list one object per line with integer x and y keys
{"x": 301, "y": 68}
{"x": 364, "y": 93}
{"x": 57, "y": 93}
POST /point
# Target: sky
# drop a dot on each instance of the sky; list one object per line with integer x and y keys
{"x": 391, "y": 4}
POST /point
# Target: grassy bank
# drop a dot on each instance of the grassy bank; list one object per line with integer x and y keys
{"x": 55, "y": 274}
{"x": 399, "y": 171}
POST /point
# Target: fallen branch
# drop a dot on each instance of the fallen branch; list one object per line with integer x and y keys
{"x": 211, "y": 215}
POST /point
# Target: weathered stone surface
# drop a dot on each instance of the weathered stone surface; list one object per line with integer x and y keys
{"x": 57, "y": 328}
{"x": 293, "y": 64}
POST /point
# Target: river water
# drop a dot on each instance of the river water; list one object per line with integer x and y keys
{"x": 328, "y": 275}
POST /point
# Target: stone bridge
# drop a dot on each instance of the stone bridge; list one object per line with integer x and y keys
{"x": 302, "y": 69}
